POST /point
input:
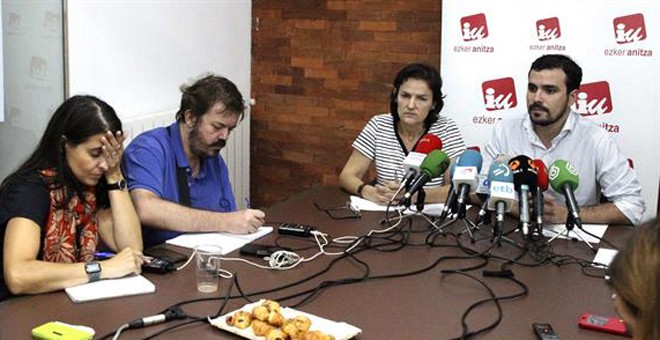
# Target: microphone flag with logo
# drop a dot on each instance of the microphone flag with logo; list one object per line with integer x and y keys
{"x": 434, "y": 165}
{"x": 564, "y": 179}
{"x": 414, "y": 159}
{"x": 465, "y": 176}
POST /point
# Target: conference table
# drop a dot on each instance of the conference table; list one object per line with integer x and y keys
{"x": 397, "y": 287}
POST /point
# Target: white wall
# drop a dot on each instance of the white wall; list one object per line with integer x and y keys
{"x": 136, "y": 54}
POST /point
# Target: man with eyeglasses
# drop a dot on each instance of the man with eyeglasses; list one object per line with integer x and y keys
{"x": 176, "y": 176}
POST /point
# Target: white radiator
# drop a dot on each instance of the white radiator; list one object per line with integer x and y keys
{"x": 236, "y": 154}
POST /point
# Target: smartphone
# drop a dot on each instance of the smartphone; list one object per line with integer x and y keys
{"x": 605, "y": 324}
{"x": 258, "y": 250}
{"x": 544, "y": 331}
{"x": 163, "y": 252}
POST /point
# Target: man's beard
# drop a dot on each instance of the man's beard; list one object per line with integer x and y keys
{"x": 199, "y": 149}
{"x": 549, "y": 121}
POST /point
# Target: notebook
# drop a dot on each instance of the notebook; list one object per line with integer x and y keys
{"x": 111, "y": 288}
{"x": 228, "y": 242}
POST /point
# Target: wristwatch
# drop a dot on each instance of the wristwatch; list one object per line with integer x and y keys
{"x": 120, "y": 185}
{"x": 93, "y": 270}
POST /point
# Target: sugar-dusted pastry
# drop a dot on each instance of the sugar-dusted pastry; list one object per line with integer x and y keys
{"x": 317, "y": 335}
{"x": 261, "y": 328}
{"x": 302, "y": 322}
{"x": 275, "y": 318}
{"x": 289, "y": 327}
{"x": 276, "y": 334}
{"x": 272, "y": 305}
{"x": 260, "y": 313}
{"x": 240, "y": 319}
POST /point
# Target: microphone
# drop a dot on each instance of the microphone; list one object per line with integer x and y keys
{"x": 465, "y": 176}
{"x": 564, "y": 179}
{"x": 525, "y": 181}
{"x": 541, "y": 187}
{"x": 414, "y": 159}
{"x": 435, "y": 163}
{"x": 451, "y": 195}
{"x": 502, "y": 193}
{"x": 170, "y": 314}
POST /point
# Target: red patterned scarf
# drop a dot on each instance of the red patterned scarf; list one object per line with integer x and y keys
{"x": 71, "y": 229}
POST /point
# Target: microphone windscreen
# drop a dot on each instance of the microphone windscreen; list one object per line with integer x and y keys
{"x": 471, "y": 158}
{"x": 499, "y": 172}
{"x": 542, "y": 172}
{"x": 435, "y": 163}
{"x": 524, "y": 172}
{"x": 561, "y": 173}
{"x": 428, "y": 143}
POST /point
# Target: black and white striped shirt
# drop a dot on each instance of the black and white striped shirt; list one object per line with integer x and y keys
{"x": 379, "y": 142}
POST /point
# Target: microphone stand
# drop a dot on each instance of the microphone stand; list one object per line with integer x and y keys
{"x": 461, "y": 214}
{"x": 419, "y": 205}
{"x": 571, "y": 222}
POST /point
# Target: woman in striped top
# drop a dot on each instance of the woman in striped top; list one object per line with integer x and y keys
{"x": 415, "y": 104}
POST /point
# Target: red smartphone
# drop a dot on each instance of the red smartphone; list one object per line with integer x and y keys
{"x": 605, "y": 324}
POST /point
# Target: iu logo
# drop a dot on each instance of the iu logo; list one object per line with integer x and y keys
{"x": 629, "y": 28}
{"x": 548, "y": 29}
{"x": 499, "y": 94}
{"x": 474, "y": 27}
{"x": 593, "y": 99}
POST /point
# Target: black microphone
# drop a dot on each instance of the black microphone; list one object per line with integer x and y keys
{"x": 538, "y": 199}
{"x": 170, "y": 314}
{"x": 525, "y": 179}
{"x": 450, "y": 202}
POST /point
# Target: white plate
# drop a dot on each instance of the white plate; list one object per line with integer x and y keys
{"x": 340, "y": 330}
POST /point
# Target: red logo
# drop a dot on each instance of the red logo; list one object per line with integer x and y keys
{"x": 629, "y": 29}
{"x": 474, "y": 27}
{"x": 548, "y": 29}
{"x": 499, "y": 94}
{"x": 593, "y": 99}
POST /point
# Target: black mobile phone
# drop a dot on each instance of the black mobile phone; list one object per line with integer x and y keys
{"x": 163, "y": 252}
{"x": 544, "y": 331}
{"x": 258, "y": 250}
{"x": 159, "y": 266}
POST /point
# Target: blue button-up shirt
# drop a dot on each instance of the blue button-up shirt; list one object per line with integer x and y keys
{"x": 151, "y": 161}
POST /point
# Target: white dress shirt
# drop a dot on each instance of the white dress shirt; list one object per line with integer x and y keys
{"x": 602, "y": 168}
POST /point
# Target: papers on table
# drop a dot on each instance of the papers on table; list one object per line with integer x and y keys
{"x": 604, "y": 256}
{"x": 550, "y": 230}
{"x": 111, "y": 288}
{"x": 228, "y": 242}
{"x": 361, "y": 204}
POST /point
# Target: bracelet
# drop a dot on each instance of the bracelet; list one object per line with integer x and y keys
{"x": 359, "y": 189}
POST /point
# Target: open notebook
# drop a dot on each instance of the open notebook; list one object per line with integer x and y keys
{"x": 111, "y": 288}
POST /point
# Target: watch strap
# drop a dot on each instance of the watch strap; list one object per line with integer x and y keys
{"x": 119, "y": 185}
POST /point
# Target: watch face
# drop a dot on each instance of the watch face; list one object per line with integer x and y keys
{"x": 92, "y": 267}
{"x": 121, "y": 185}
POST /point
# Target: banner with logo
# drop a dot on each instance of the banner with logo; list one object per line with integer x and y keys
{"x": 487, "y": 51}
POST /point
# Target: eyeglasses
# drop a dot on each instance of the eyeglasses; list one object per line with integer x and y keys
{"x": 344, "y": 212}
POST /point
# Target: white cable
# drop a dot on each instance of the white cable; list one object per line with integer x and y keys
{"x": 119, "y": 330}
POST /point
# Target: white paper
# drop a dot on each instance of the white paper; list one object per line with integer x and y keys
{"x": 550, "y": 230}
{"x": 111, "y": 288}
{"x": 362, "y": 204}
{"x": 604, "y": 256}
{"x": 228, "y": 242}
